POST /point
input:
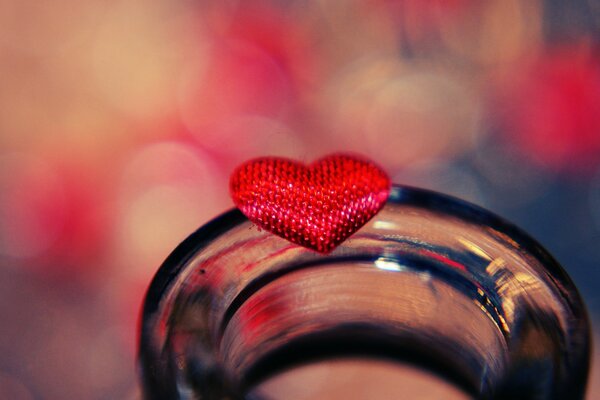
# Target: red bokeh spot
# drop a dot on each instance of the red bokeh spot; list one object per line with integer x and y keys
{"x": 281, "y": 36}
{"x": 553, "y": 109}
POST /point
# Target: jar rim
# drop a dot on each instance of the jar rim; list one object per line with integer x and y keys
{"x": 404, "y": 195}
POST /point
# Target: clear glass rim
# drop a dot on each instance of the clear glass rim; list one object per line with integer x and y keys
{"x": 176, "y": 261}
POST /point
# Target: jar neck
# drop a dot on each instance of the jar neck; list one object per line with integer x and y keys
{"x": 430, "y": 279}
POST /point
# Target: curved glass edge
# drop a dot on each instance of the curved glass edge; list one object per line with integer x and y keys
{"x": 407, "y": 195}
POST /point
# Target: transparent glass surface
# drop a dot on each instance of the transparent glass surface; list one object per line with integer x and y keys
{"x": 432, "y": 282}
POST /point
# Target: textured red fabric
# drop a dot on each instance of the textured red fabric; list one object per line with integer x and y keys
{"x": 316, "y": 206}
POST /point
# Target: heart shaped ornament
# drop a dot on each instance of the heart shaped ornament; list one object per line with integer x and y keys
{"x": 316, "y": 206}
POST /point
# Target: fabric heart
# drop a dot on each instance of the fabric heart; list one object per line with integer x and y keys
{"x": 316, "y": 206}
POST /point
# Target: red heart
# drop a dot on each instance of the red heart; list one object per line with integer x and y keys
{"x": 316, "y": 206}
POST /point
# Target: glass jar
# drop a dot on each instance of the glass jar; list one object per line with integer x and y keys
{"x": 431, "y": 281}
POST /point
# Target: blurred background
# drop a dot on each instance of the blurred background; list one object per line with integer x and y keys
{"x": 121, "y": 120}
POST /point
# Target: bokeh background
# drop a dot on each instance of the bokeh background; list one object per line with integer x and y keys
{"x": 121, "y": 120}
